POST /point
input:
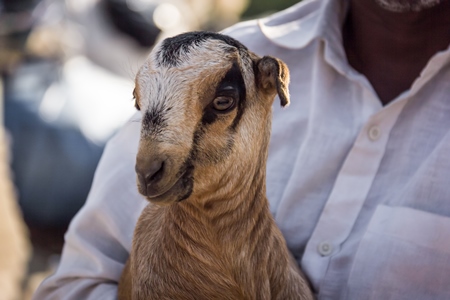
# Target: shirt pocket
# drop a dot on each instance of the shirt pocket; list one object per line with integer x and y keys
{"x": 404, "y": 254}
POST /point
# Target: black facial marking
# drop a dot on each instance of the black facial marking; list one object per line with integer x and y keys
{"x": 187, "y": 171}
{"x": 212, "y": 157}
{"x": 239, "y": 80}
{"x": 187, "y": 181}
{"x": 231, "y": 85}
{"x": 155, "y": 119}
{"x": 172, "y": 48}
{"x": 209, "y": 116}
{"x": 256, "y": 72}
{"x": 198, "y": 134}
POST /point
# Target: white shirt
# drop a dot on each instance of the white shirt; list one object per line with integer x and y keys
{"x": 360, "y": 191}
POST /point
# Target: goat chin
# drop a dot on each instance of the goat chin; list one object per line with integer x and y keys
{"x": 172, "y": 195}
{"x": 206, "y": 104}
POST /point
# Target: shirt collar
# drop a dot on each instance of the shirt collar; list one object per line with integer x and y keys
{"x": 310, "y": 20}
{"x": 297, "y": 26}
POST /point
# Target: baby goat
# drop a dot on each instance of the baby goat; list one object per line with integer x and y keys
{"x": 208, "y": 232}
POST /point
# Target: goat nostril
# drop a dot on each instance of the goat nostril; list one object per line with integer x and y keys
{"x": 155, "y": 172}
{"x": 149, "y": 171}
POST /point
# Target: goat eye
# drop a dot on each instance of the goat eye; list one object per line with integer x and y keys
{"x": 223, "y": 103}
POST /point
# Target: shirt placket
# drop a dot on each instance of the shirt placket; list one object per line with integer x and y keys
{"x": 349, "y": 192}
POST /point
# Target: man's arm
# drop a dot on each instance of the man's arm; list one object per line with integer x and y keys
{"x": 98, "y": 241}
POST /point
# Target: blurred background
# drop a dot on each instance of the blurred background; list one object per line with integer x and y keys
{"x": 66, "y": 82}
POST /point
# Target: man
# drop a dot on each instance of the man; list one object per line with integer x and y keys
{"x": 358, "y": 166}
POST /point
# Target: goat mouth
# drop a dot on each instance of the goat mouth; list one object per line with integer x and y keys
{"x": 166, "y": 190}
{"x": 180, "y": 190}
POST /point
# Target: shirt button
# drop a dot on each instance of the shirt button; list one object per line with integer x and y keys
{"x": 374, "y": 133}
{"x": 325, "y": 248}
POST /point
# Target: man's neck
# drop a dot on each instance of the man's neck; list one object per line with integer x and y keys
{"x": 391, "y": 49}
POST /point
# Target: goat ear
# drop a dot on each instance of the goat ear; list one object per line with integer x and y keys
{"x": 273, "y": 77}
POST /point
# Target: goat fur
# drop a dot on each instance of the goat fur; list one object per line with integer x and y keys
{"x": 208, "y": 232}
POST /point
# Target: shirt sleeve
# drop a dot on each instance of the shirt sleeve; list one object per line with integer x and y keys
{"x": 98, "y": 240}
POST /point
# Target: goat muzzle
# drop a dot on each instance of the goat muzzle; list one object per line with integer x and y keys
{"x": 149, "y": 174}
{"x": 160, "y": 182}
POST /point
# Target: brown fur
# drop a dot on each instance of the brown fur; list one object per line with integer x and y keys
{"x": 221, "y": 242}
